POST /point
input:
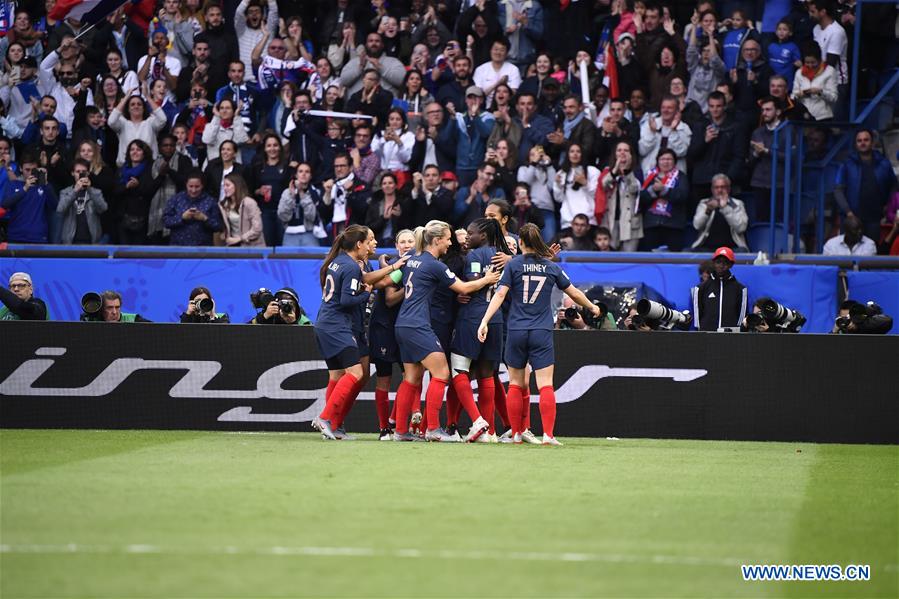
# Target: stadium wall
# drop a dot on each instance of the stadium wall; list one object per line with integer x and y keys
{"x": 158, "y": 288}
{"x": 814, "y": 388}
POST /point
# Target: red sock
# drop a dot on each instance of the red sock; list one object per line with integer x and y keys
{"x": 347, "y": 406}
{"x": 514, "y": 404}
{"x": 416, "y": 400}
{"x": 403, "y": 405}
{"x": 548, "y": 409}
{"x": 433, "y": 401}
{"x": 330, "y": 389}
{"x": 499, "y": 399}
{"x": 340, "y": 395}
{"x": 453, "y": 407}
{"x": 462, "y": 386}
{"x": 486, "y": 391}
{"x": 526, "y": 408}
{"x": 393, "y": 411}
{"x": 382, "y": 405}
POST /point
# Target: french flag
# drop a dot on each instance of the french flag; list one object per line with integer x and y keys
{"x": 87, "y": 12}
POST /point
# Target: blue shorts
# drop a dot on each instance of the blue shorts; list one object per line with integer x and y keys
{"x": 444, "y": 332}
{"x": 382, "y": 344}
{"x": 362, "y": 342}
{"x": 533, "y": 346}
{"x": 416, "y": 344}
{"x": 332, "y": 342}
{"x": 465, "y": 341}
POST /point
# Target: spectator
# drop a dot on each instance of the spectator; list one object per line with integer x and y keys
{"x": 430, "y": 199}
{"x": 664, "y": 131}
{"x": 523, "y": 210}
{"x": 19, "y": 302}
{"x": 734, "y": 38}
{"x": 472, "y": 200}
{"x": 240, "y": 215}
{"x": 669, "y": 64}
{"x": 179, "y": 30}
{"x": 890, "y": 244}
{"x": 853, "y": 241}
{"x": 497, "y": 70}
{"x": 391, "y": 71}
{"x": 790, "y": 110}
{"x": 468, "y": 133}
{"x": 226, "y": 125}
{"x": 218, "y": 168}
{"x": 222, "y": 42}
{"x": 18, "y": 97}
{"x": 267, "y": 177}
{"x": 721, "y": 219}
{"x": 614, "y": 129}
{"x": 298, "y": 210}
{"x": 831, "y": 38}
{"x": 389, "y": 211}
{"x": 245, "y": 97}
{"x": 522, "y": 22}
{"x": 452, "y": 95}
{"x": 67, "y": 90}
{"x": 479, "y": 27}
{"x": 630, "y": 74}
{"x": 103, "y": 177}
{"x": 705, "y": 67}
{"x": 30, "y": 204}
{"x": 51, "y": 153}
{"x": 663, "y": 202}
{"x": 864, "y": 184}
{"x": 574, "y": 187}
{"x": 133, "y": 194}
{"x": 578, "y": 237}
{"x": 371, "y": 99}
{"x": 138, "y": 125}
{"x": 539, "y": 175}
{"x": 750, "y": 81}
{"x": 718, "y": 145}
{"x": 193, "y": 216}
{"x": 366, "y": 163}
{"x": 427, "y": 150}
{"x": 322, "y": 79}
{"x": 413, "y": 98}
{"x": 80, "y": 206}
{"x": 345, "y": 200}
{"x": 783, "y": 54}
{"x": 47, "y": 108}
{"x": 577, "y": 129}
{"x": 170, "y": 170}
{"x": 158, "y": 64}
{"x": 393, "y": 146}
{"x": 251, "y": 30}
{"x": 115, "y": 68}
{"x": 533, "y": 84}
{"x": 815, "y": 84}
{"x": 602, "y": 240}
{"x": 761, "y": 143}
{"x": 721, "y": 300}
{"x": 194, "y": 313}
{"x": 620, "y": 189}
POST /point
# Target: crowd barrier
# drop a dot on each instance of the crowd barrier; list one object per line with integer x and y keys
{"x": 158, "y": 288}
{"x": 817, "y": 388}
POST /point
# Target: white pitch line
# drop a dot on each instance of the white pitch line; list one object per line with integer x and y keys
{"x": 408, "y": 553}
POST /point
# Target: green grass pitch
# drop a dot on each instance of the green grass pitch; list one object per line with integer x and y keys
{"x": 202, "y": 514}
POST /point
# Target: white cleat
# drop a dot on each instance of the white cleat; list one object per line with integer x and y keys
{"x": 415, "y": 423}
{"x": 440, "y": 436}
{"x": 506, "y": 435}
{"x": 324, "y": 427}
{"x": 547, "y": 440}
{"x": 528, "y": 437}
{"x": 478, "y": 428}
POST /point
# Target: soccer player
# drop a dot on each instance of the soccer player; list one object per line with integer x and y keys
{"x": 471, "y": 358}
{"x": 384, "y": 351}
{"x": 531, "y": 277}
{"x": 419, "y": 345}
{"x": 343, "y": 290}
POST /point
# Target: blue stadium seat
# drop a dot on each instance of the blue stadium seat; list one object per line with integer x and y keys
{"x": 758, "y": 236}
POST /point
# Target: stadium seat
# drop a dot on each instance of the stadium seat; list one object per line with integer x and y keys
{"x": 758, "y": 236}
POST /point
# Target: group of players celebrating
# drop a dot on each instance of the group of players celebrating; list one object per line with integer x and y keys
{"x": 455, "y": 311}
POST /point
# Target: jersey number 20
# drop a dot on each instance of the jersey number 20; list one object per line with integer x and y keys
{"x": 527, "y": 280}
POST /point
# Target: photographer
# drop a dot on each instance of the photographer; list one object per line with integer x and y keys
{"x": 106, "y": 307}
{"x": 768, "y": 316}
{"x": 19, "y": 302}
{"x": 281, "y": 308}
{"x": 29, "y": 201}
{"x": 80, "y": 206}
{"x": 862, "y": 319}
{"x": 571, "y": 317}
{"x": 201, "y": 308}
{"x": 635, "y": 322}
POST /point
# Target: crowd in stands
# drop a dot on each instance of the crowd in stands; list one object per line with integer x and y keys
{"x": 611, "y": 124}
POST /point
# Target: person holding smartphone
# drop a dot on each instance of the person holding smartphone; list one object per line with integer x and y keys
{"x": 80, "y": 206}
{"x": 29, "y": 202}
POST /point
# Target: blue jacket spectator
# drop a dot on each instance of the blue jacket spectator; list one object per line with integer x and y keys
{"x": 524, "y": 30}
{"x": 471, "y": 200}
{"x": 192, "y": 215}
{"x": 30, "y": 208}
{"x": 864, "y": 183}
{"x": 469, "y": 135}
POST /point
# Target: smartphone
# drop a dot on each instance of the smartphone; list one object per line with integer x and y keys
{"x": 41, "y": 175}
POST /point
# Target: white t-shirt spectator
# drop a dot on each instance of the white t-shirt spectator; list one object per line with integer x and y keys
{"x": 836, "y": 246}
{"x": 832, "y": 40}
{"x": 485, "y": 76}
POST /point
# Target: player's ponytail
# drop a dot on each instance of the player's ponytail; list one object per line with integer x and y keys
{"x": 493, "y": 232}
{"x": 425, "y": 236}
{"x": 346, "y": 242}
{"x": 530, "y": 237}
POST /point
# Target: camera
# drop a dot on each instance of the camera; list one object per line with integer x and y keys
{"x": 204, "y": 306}
{"x": 285, "y": 305}
{"x": 91, "y": 304}
{"x": 865, "y": 318}
{"x": 786, "y": 319}
{"x": 262, "y": 298}
{"x": 41, "y": 175}
{"x": 592, "y": 322}
{"x": 659, "y": 316}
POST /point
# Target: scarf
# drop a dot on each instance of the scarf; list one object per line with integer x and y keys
{"x": 338, "y": 199}
{"x": 568, "y": 126}
{"x": 660, "y": 206}
{"x": 132, "y": 171}
{"x": 226, "y": 123}
{"x": 810, "y": 74}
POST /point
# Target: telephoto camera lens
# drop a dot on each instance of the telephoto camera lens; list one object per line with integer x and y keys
{"x": 91, "y": 303}
{"x": 666, "y": 317}
{"x": 286, "y": 306}
{"x": 571, "y": 313}
{"x": 204, "y": 305}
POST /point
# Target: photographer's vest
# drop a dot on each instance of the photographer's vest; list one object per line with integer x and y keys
{"x": 127, "y": 317}
{"x": 6, "y": 314}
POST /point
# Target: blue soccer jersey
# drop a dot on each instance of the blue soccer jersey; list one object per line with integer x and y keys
{"x": 476, "y": 264}
{"x": 422, "y": 276}
{"x": 530, "y": 280}
{"x": 342, "y": 295}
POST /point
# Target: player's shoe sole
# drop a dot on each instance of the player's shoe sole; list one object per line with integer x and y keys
{"x": 478, "y": 428}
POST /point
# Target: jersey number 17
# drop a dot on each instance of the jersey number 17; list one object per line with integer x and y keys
{"x": 527, "y": 280}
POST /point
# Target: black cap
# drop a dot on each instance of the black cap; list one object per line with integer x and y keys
{"x": 29, "y": 61}
{"x": 289, "y": 291}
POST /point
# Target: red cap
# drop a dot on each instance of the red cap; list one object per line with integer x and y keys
{"x": 448, "y": 176}
{"x": 726, "y": 252}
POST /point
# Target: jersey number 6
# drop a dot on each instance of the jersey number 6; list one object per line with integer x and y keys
{"x": 408, "y": 286}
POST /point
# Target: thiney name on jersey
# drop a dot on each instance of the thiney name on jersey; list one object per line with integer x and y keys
{"x": 533, "y": 267}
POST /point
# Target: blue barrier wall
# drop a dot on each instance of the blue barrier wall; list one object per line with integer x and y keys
{"x": 158, "y": 288}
